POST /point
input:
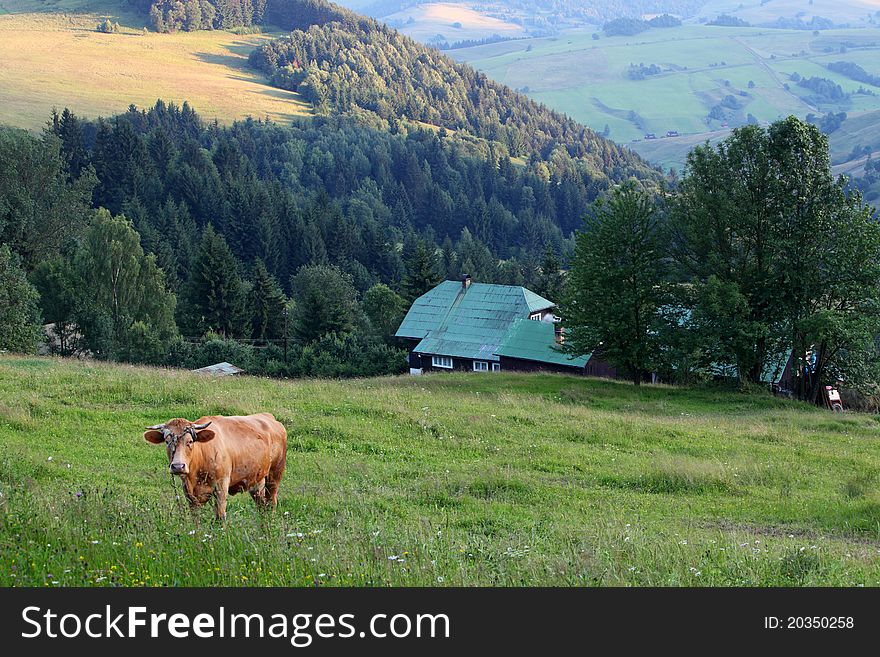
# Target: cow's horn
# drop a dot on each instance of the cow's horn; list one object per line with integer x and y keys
{"x": 157, "y": 427}
{"x": 199, "y": 427}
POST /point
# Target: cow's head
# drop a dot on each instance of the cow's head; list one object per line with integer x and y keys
{"x": 179, "y": 436}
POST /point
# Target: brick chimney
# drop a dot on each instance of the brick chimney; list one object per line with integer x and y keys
{"x": 466, "y": 281}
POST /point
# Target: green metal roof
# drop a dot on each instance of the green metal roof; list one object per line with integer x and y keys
{"x": 530, "y": 340}
{"x": 450, "y": 302}
{"x": 470, "y": 322}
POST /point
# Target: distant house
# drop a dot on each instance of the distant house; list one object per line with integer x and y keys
{"x": 466, "y": 326}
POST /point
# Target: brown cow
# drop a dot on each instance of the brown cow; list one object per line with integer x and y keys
{"x": 218, "y": 455}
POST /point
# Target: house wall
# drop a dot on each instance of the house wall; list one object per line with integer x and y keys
{"x": 598, "y": 366}
{"x": 423, "y": 362}
{"x": 517, "y": 365}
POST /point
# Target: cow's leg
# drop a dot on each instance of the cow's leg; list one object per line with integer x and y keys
{"x": 258, "y": 492}
{"x": 194, "y": 502}
{"x": 272, "y": 481}
{"x": 221, "y": 491}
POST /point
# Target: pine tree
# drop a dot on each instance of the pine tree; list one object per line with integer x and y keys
{"x": 266, "y": 304}
{"x": 215, "y": 292}
{"x": 421, "y": 272}
{"x": 551, "y": 280}
{"x": 73, "y": 143}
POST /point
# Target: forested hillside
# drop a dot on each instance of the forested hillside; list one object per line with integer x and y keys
{"x": 151, "y": 228}
{"x": 331, "y": 188}
{"x": 344, "y": 63}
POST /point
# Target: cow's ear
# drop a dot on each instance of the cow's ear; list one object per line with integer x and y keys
{"x": 205, "y": 435}
{"x": 153, "y": 436}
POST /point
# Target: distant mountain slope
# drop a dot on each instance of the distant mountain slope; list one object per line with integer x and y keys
{"x": 342, "y": 62}
{"x": 593, "y": 11}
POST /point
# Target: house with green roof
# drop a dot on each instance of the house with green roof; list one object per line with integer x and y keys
{"x": 462, "y": 325}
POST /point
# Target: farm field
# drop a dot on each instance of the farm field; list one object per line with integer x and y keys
{"x": 470, "y": 479}
{"x": 700, "y": 67}
{"x": 58, "y": 59}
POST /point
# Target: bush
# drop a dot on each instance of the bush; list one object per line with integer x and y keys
{"x": 107, "y": 27}
{"x": 350, "y": 355}
{"x": 142, "y": 344}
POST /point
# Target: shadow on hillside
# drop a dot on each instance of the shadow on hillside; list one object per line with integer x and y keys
{"x": 232, "y": 61}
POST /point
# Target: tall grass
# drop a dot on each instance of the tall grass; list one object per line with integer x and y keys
{"x": 476, "y": 479}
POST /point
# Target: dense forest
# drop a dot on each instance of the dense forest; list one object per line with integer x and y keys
{"x": 633, "y": 26}
{"x": 228, "y": 223}
{"x": 189, "y": 15}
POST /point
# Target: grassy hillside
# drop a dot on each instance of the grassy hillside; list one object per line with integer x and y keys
{"x": 439, "y": 480}
{"x": 58, "y": 59}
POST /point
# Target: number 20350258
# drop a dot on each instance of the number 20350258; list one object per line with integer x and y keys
{"x": 808, "y": 622}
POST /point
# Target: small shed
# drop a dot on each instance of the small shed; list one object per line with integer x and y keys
{"x": 220, "y": 369}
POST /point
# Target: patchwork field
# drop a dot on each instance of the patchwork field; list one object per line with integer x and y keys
{"x": 467, "y": 479}
{"x": 699, "y": 66}
{"x": 55, "y": 60}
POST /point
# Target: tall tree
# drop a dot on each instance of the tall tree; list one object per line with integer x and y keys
{"x": 421, "y": 271}
{"x": 216, "y": 294}
{"x": 551, "y": 279}
{"x": 615, "y": 289}
{"x": 266, "y": 304}
{"x": 57, "y": 283}
{"x": 40, "y": 209}
{"x": 326, "y": 302}
{"x": 784, "y": 259}
{"x": 722, "y": 222}
{"x": 120, "y": 286}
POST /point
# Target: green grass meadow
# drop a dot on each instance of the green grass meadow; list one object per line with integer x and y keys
{"x": 471, "y": 479}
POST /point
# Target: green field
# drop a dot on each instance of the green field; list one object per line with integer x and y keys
{"x": 587, "y": 79}
{"x": 60, "y": 60}
{"x": 438, "y": 480}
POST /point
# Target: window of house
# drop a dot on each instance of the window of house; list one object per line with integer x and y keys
{"x": 496, "y": 367}
{"x": 535, "y": 316}
{"x": 481, "y": 366}
{"x": 442, "y": 361}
